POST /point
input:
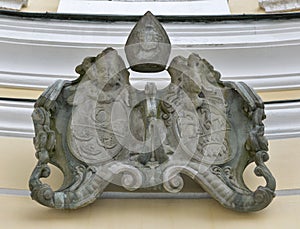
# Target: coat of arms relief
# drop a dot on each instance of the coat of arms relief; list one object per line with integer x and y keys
{"x": 99, "y": 129}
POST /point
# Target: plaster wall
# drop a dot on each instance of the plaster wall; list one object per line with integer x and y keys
{"x": 245, "y": 7}
{"x": 19, "y": 211}
{"x": 236, "y": 6}
{"x": 41, "y": 6}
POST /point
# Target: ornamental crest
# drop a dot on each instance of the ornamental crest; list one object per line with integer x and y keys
{"x": 99, "y": 129}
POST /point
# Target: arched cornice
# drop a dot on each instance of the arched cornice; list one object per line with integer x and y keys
{"x": 282, "y": 119}
{"x": 37, "y": 49}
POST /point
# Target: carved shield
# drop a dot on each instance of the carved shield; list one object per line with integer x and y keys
{"x": 99, "y": 129}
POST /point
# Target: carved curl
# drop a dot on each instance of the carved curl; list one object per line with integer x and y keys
{"x": 74, "y": 196}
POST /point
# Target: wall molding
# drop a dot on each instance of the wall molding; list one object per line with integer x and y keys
{"x": 263, "y": 53}
{"x": 15, "y": 119}
{"x": 260, "y": 83}
{"x": 283, "y": 119}
{"x": 146, "y": 195}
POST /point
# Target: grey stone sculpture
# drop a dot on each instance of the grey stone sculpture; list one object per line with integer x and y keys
{"x": 13, "y": 4}
{"x": 272, "y": 6}
{"x": 98, "y": 129}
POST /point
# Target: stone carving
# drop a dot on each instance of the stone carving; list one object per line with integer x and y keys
{"x": 98, "y": 129}
{"x": 279, "y": 5}
{"x": 13, "y": 4}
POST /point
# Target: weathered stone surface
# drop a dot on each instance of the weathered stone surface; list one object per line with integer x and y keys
{"x": 99, "y": 129}
{"x": 279, "y": 5}
{"x": 148, "y": 46}
{"x": 13, "y": 4}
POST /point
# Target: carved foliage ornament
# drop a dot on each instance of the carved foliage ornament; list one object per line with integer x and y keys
{"x": 98, "y": 129}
